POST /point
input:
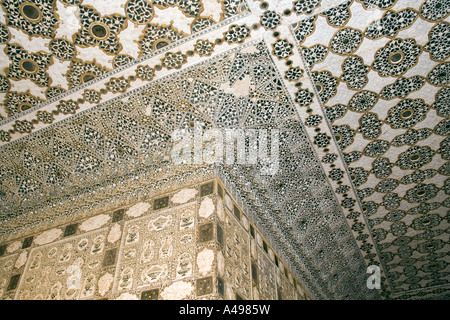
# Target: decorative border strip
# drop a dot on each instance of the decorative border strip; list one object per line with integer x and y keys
{"x": 128, "y": 93}
{"x": 126, "y": 66}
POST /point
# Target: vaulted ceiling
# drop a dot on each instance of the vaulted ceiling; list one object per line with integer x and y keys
{"x": 91, "y": 91}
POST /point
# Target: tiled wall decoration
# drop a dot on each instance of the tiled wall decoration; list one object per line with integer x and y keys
{"x": 148, "y": 253}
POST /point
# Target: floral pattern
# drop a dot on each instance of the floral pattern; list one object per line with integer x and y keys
{"x": 376, "y": 148}
{"x": 305, "y": 6}
{"x": 407, "y": 113}
{"x": 391, "y": 23}
{"x": 434, "y": 10}
{"x": 67, "y": 107}
{"x": 293, "y": 74}
{"x": 343, "y": 135}
{"x": 110, "y": 37}
{"x": 415, "y": 157}
{"x": 204, "y": 47}
{"x": 27, "y": 65}
{"x": 411, "y": 137}
{"x": 346, "y": 41}
{"x": 438, "y": 46}
{"x": 440, "y": 75}
{"x": 45, "y": 116}
{"x": 315, "y": 54}
{"x": 325, "y": 84}
{"x": 381, "y": 167}
{"x": 236, "y": 34}
{"x": 402, "y": 87}
{"x": 174, "y": 60}
{"x": 338, "y": 15}
{"x": 370, "y": 126}
{"x": 99, "y": 30}
{"x": 40, "y": 20}
{"x": 62, "y": 49}
{"x": 145, "y": 72}
{"x": 282, "y": 49}
{"x": 363, "y": 101}
{"x": 270, "y": 19}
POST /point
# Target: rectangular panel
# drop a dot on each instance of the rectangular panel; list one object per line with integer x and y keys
{"x": 157, "y": 249}
{"x": 64, "y": 270}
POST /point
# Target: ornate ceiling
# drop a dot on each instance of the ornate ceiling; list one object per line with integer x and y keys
{"x": 91, "y": 91}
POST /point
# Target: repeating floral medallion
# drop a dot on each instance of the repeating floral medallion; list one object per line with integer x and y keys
{"x": 85, "y": 39}
{"x": 380, "y": 72}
